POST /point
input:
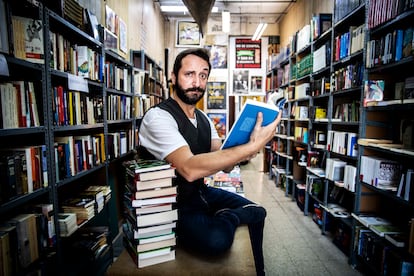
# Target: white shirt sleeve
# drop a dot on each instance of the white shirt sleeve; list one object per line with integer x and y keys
{"x": 160, "y": 135}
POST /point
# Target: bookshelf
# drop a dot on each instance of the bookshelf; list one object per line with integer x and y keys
{"x": 323, "y": 108}
{"x": 84, "y": 109}
{"x": 336, "y": 113}
{"x": 150, "y": 76}
{"x": 386, "y": 121}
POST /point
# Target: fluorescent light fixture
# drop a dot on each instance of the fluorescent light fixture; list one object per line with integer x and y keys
{"x": 181, "y": 9}
{"x": 225, "y": 21}
{"x": 259, "y": 31}
{"x": 174, "y": 9}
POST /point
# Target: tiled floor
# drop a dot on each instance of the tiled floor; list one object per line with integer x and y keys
{"x": 293, "y": 243}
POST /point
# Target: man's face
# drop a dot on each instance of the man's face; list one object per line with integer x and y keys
{"x": 191, "y": 82}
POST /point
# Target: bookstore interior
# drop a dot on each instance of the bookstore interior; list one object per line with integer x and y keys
{"x": 77, "y": 76}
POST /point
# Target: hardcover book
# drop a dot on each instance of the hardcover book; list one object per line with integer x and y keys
{"x": 143, "y": 165}
{"x": 151, "y": 175}
{"x": 28, "y": 36}
{"x": 243, "y": 126}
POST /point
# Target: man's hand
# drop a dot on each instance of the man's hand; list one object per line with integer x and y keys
{"x": 262, "y": 134}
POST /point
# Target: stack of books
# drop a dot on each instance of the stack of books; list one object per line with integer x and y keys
{"x": 67, "y": 224}
{"x": 83, "y": 207}
{"x": 97, "y": 194}
{"x": 227, "y": 181}
{"x": 149, "y": 211}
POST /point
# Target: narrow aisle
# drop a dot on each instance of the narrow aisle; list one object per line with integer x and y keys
{"x": 293, "y": 243}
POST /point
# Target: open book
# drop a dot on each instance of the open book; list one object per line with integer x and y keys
{"x": 243, "y": 126}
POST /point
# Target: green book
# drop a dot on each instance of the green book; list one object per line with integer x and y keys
{"x": 382, "y": 229}
{"x": 142, "y": 165}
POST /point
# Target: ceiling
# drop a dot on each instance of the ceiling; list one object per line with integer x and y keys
{"x": 269, "y": 11}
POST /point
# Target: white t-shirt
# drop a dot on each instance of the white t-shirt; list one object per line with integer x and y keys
{"x": 160, "y": 135}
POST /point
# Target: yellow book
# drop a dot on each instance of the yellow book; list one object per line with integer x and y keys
{"x": 70, "y": 105}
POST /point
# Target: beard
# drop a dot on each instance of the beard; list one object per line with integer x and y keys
{"x": 189, "y": 98}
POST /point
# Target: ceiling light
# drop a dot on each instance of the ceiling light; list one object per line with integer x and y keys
{"x": 174, "y": 9}
{"x": 181, "y": 9}
{"x": 259, "y": 31}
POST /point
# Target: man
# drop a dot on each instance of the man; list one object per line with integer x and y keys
{"x": 184, "y": 136}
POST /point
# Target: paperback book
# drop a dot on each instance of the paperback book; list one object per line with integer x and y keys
{"x": 243, "y": 126}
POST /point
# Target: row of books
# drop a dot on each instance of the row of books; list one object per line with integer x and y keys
{"x": 347, "y": 112}
{"x": 349, "y": 42}
{"x": 342, "y": 142}
{"x": 320, "y": 86}
{"x": 78, "y": 60}
{"x": 117, "y": 77}
{"x": 18, "y": 105}
{"x": 24, "y": 238}
{"x": 343, "y": 7}
{"x": 22, "y": 171}
{"x": 304, "y": 67}
{"x": 391, "y": 47}
{"x": 347, "y": 77}
{"x": 377, "y": 241}
{"x": 143, "y": 103}
{"x": 84, "y": 206}
{"x": 380, "y": 172}
{"x": 341, "y": 172}
{"x": 150, "y": 214}
{"x": 119, "y": 143}
{"x": 71, "y": 108}
{"x": 119, "y": 107}
{"x": 74, "y": 154}
{"x": 380, "y": 11}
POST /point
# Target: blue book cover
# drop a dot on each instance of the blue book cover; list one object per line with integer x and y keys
{"x": 245, "y": 122}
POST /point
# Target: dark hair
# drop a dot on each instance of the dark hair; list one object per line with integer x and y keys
{"x": 200, "y": 52}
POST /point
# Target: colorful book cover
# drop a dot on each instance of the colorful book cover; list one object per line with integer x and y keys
{"x": 373, "y": 91}
{"x": 216, "y": 95}
{"x": 219, "y": 121}
{"x": 243, "y": 126}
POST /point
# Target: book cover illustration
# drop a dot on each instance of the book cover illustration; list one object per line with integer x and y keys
{"x": 28, "y": 38}
{"x": 218, "y": 56}
{"x": 219, "y": 121}
{"x": 216, "y": 95}
{"x": 243, "y": 126}
{"x": 373, "y": 91}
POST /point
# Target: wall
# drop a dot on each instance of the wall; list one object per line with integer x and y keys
{"x": 300, "y": 15}
{"x": 145, "y": 24}
{"x": 240, "y": 26}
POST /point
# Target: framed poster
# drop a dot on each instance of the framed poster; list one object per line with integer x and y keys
{"x": 248, "y": 53}
{"x": 216, "y": 95}
{"x": 218, "y": 56}
{"x": 256, "y": 84}
{"x": 188, "y": 34}
{"x": 240, "y": 81}
{"x": 123, "y": 36}
{"x": 110, "y": 19}
{"x": 219, "y": 121}
{"x": 110, "y": 40}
